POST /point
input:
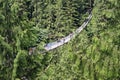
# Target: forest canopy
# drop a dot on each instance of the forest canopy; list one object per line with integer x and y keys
{"x": 92, "y": 55}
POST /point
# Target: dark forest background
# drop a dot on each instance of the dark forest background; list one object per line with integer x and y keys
{"x": 93, "y": 55}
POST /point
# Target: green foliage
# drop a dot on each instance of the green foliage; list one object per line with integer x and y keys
{"x": 92, "y": 55}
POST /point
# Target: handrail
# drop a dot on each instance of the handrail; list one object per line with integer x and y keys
{"x": 66, "y": 39}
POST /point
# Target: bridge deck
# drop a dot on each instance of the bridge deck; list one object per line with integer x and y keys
{"x": 53, "y": 45}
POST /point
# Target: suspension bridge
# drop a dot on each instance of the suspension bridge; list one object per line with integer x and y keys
{"x": 55, "y": 44}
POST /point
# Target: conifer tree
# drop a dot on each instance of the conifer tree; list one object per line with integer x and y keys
{"x": 93, "y": 54}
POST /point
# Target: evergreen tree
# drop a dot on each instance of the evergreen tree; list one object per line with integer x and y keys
{"x": 93, "y": 54}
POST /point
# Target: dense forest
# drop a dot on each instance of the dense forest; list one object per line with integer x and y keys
{"x": 94, "y": 54}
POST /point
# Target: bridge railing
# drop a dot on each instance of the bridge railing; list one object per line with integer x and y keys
{"x": 66, "y": 39}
